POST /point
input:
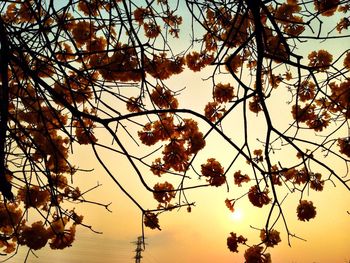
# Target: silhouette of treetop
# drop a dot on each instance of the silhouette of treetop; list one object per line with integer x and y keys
{"x": 77, "y": 72}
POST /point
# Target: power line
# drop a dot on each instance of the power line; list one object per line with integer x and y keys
{"x": 150, "y": 258}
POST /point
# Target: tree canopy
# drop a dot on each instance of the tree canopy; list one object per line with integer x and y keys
{"x": 99, "y": 73}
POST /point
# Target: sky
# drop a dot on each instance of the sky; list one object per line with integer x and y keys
{"x": 199, "y": 236}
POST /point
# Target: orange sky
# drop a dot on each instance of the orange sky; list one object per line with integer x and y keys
{"x": 201, "y": 235}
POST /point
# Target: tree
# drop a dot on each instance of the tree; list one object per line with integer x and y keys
{"x": 75, "y": 69}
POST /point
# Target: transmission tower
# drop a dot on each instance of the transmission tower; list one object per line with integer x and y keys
{"x": 138, "y": 249}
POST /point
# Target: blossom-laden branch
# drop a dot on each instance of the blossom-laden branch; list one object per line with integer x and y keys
{"x": 75, "y": 72}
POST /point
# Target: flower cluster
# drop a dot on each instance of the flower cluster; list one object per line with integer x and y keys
{"x": 213, "y": 111}
{"x": 152, "y": 30}
{"x": 162, "y": 67}
{"x": 34, "y": 196}
{"x": 151, "y": 220}
{"x": 234, "y": 63}
{"x": 72, "y": 193}
{"x": 96, "y": 44}
{"x": 275, "y": 176}
{"x": 308, "y": 114}
{"x": 240, "y": 178}
{"x": 123, "y": 65}
{"x": 233, "y": 241}
{"x": 344, "y": 145}
{"x": 75, "y": 89}
{"x": 197, "y": 61}
{"x": 163, "y": 98}
{"x": 326, "y": 7}
{"x": 233, "y": 30}
{"x": 344, "y": 23}
{"x": 258, "y": 153}
{"x": 306, "y": 210}
{"x": 271, "y": 239}
{"x": 172, "y": 22}
{"x": 134, "y": 104}
{"x": 315, "y": 182}
{"x": 320, "y": 60}
{"x": 340, "y": 97}
{"x": 37, "y": 235}
{"x": 275, "y": 80}
{"x": 61, "y": 236}
{"x": 274, "y": 47}
{"x": 84, "y": 131}
{"x": 306, "y": 91}
{"x": 146, "y": 17}
{"x": 286, "y": 15}
{"x": 140, "y": 14}
{"x": 184, "y": 140}
{"x": 214, "y": 172}
{"x": 255, "y": 254}
{"x": 302, "y": 176}
{"x": 34, "y": 236}
{"x": 257, "y": 197}
{"x": 90, "y": 8}
{"x": 223, "y": 92}
{"x": 10, "y": 215}
{"x": 210, "y": 41}
{"x": 255, "y": 105}
{"x": 164, "y": 192}
{"x": 230, "y": 204}
{"x": 296, "y": 176}
{"x": 175, "y": 155}
{"x": 82, "y": 32}
{"x": 346, "y": 61}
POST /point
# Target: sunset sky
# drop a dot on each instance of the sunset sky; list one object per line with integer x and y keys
{"x": 199, "y": 236}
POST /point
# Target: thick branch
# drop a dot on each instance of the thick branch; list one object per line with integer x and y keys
{"x": 5, "y": 186}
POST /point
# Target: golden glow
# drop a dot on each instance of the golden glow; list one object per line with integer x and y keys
{"x": 237, "y": 215}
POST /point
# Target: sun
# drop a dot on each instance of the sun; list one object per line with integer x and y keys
{"x": 237, "y": 215}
